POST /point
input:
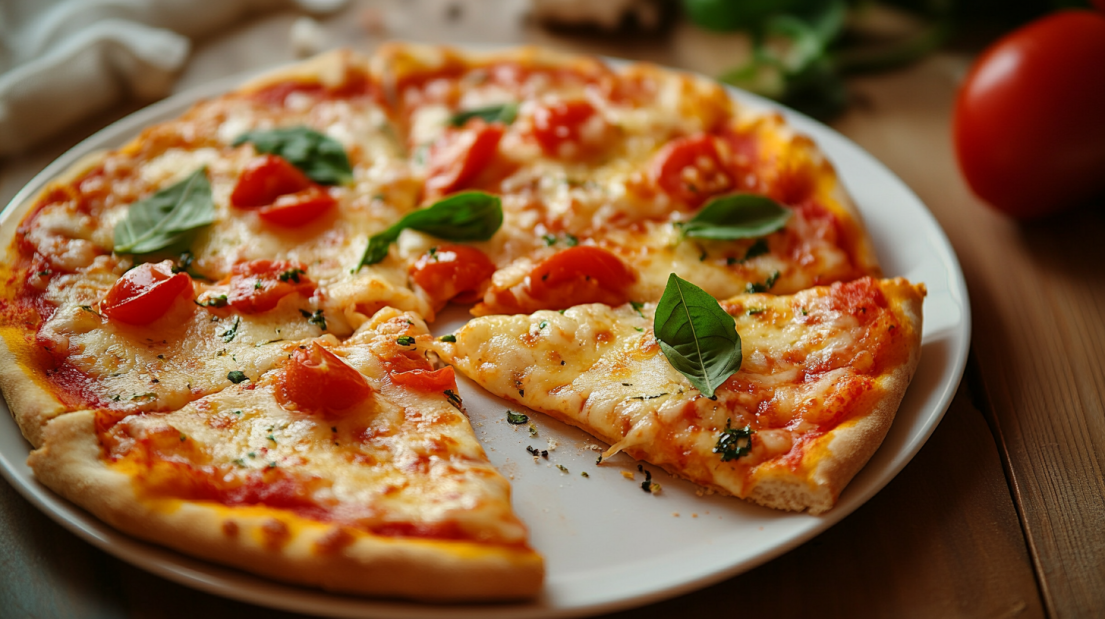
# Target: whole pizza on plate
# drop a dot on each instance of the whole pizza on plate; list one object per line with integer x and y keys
{"x": 215, "y": 336}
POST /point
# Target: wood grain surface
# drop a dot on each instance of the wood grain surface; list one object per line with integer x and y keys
{"x": 1002, "y": 514}
{"x": 1038, "y": 302}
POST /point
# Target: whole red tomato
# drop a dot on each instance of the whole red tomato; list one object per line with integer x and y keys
{"x": 1030, "y": 118}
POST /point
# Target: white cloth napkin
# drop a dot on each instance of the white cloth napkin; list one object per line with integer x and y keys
{"x": 61, "y": 60}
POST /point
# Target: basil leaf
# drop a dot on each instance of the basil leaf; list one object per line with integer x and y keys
{"x": 467, "y": 216}
{"x": 696, "y": 335}
{"x": 167, "y": 217}
{"x": 504, "y": 113}
{"x": 737, "y": 216}
{"x": 320, "y": 157}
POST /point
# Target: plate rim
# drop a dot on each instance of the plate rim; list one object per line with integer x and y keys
{"x": 225, "y": 581}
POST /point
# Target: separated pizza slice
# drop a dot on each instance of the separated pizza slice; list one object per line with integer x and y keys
{"x": 350, "y": 466}
{"x": 821, "y": 375}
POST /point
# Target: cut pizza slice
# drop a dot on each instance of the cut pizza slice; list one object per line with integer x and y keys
{"x": 351, "y": 466}
{"x": 608, "y": 177}
{"x": 821, "y": 376}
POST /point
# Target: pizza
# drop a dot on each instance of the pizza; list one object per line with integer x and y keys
{"x": 350, "y": 466}
{"x": 215, "y": 336}
{"x": 822, "y": 375}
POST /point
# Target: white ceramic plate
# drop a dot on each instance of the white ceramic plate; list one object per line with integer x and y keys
{"x": 608, "y": 544}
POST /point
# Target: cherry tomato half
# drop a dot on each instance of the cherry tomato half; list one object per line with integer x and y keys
{"x": 145, "y": 293}
{"x": 564, "y": 129}
{"x": 690, "y": 170}
{"x": 581, "y": 274}
{"x": 318, "y": 380}
{"x": 258, "y": 285}
{"x": 265, "y": 179}
{"x": 452, "y": 272}
{"x": 1030, "y": 118}
{"x": 459, "y": 156}
{"x": 430, "y": 381}
{"x": 296, "y": 209}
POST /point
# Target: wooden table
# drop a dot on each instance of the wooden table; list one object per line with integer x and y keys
{"x": 1002, "y": 514}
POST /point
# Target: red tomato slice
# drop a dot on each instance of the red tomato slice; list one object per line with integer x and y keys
{"x": 296, "y": 209}
{"x": 265, "y": 179}
{"x": 257, "y": 286}
{"x": 318, "y": 380}
{"x": 581, "y": 274}
{"x": 559, "y": 128}
{"x": 690, "y": 170}
{"x": 429, "y": 381}
{"x": 458, "y": 157}
{"x": 452, "y": 272}
{"x": 145, "y": 293}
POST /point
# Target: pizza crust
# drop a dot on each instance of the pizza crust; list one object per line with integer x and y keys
{"x": 445, "y": 571}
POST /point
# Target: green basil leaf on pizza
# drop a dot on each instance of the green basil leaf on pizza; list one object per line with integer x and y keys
{"x": 697, "y": 336}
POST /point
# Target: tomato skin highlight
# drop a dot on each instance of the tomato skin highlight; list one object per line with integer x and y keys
{"x": 146, "y": 293}
{"x": 559, "y": 127}
{"x": 436, "y": 381}
{"x": 690, "y": 170}
{"x": 1029, "y": 122}
{"x": 316, "y": 379}
{"x": 299, "y": 208}
{"x": 265, "y": 179}
{"x": 581, "y": 274}
{"x": 459, "y": 156}
{"x": 452, "y": 272}
{"x": 256, "y": 286}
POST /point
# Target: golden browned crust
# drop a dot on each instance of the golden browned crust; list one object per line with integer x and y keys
{"x": 280, "y": 544}
{"x": 834, "y": 459}
{"x": 331, "y": 70}
{"x": 30, "y": 399}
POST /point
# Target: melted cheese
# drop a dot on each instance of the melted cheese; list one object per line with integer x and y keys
{"x": 402, "y": 457}
{"x": 806, "y": 363}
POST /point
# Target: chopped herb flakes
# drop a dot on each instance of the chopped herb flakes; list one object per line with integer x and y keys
{"x": 228, "y": 335}
{"x": 758, "y": 248}
{"x": 549, "y": 239}
{"x": 734, "y": 442}
{"x": 649, "y": 397}
{"x": 217, "y": 301}
{"x": 292, "y": 275}
{"x": 544, "y": 453}
{"x": 88, "y": 308}
{"x": 563, "y": 469}
{"x": 532, "y": 430}
{"x": 448, "y": 338}
{"x": 584, "y": 474}
{"x": 453, "y": 398}
{"x": 637, "y": 308}
{"x": 315, "y": 318}
{"x": 544, "y": 323}
{"x": 516, "y": 419}
{"x": 404, "y": 340}
{"x": 752, "y": 311}
{"x": 237, "y": 376}
{"x": 765, "y": 286}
